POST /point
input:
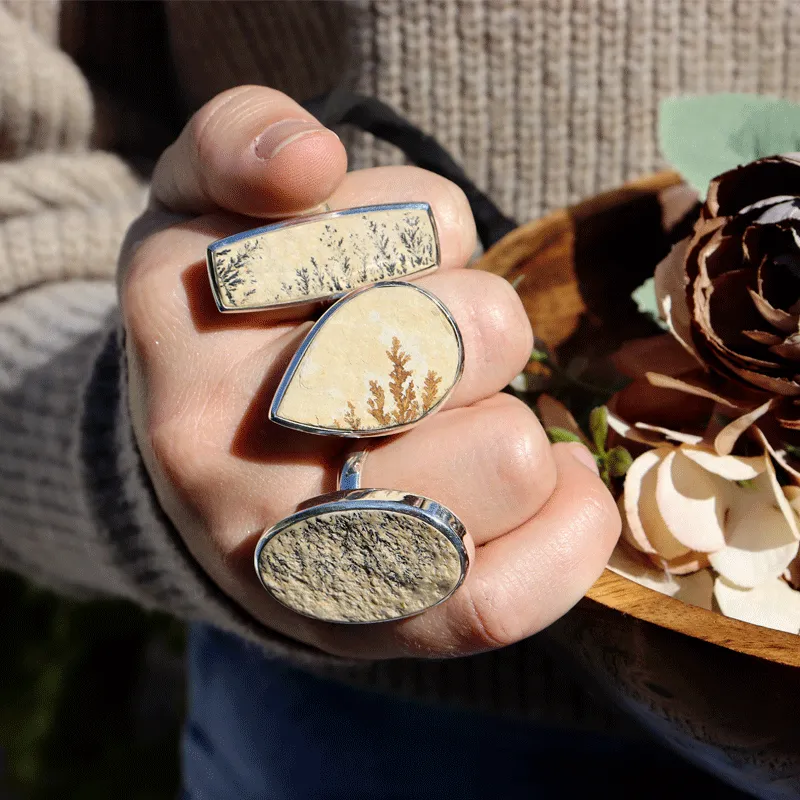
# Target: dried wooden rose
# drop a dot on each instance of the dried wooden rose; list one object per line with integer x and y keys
{"x": 731, "y": 292}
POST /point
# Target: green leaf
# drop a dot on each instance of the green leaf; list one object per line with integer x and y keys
{"x": 792, "y": 449}
{"x": 598, "y": 426}
{"x": 647, "y": 303}
{"x": 539, "y": 355}
{"x": 748, "y": 483}
{"x": 556, "y": 434}
{"x": 619, "y": 461}
{"x": 704, "y": 136}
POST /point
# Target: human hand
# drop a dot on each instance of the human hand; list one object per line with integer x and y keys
{"x": 541, "y": 522}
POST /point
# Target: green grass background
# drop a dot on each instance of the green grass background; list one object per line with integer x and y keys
{"x": 91, "y": 698}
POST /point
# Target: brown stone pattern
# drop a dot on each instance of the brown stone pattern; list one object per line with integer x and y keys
{"x": 360, "y": 565}
{"x": 407, "y": 406}
{"x": 322, "y": 258}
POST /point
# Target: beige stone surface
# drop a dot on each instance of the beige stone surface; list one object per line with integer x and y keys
{"x": 386, "y": 357}
{"x": 360, "y": 566}
{"x": 317, "y": 259}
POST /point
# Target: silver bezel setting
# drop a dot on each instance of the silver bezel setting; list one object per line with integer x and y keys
{"x": 219, "y": 244}
{"x": 318, "y": 325}
{"x": 389, "y": 500}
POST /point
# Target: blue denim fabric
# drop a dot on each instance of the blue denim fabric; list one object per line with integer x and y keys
{"x": 257, "y": 728}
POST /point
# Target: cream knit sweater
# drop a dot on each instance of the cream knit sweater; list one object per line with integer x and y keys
{"x": 542, "y": 101}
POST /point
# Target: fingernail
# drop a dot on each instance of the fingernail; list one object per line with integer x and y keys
{"x": 282, "y": 133}
{"x": 582, "y": 454}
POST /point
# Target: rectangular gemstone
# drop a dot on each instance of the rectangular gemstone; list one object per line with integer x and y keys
{"x": 322, "y": 257}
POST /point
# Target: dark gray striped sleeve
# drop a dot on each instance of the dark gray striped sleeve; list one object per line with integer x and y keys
{"x": 77, "y": 511}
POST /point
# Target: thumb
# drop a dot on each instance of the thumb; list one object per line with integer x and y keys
{"x": 250, "y": 150}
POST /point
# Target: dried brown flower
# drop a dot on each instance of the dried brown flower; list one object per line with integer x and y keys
{"x": 731, "y": 293}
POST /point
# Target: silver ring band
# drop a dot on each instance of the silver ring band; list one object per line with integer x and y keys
{"x": 350, "y": 475}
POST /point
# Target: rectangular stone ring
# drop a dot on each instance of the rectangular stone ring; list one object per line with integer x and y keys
{"x": 322, "y": 257}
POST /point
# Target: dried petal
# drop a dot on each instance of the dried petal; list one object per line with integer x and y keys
{"x": 689, "y": 387}
{"x": 780, "y": 498}
{"x": 790, "y": 349}
{"x": 647, "y": 528}
{"x": 761, "y": 545}
{"x": 631, "y": 565}
{"x": 691, "y": 503}
{"x": 697, "y": 589}
{"x": 732, "y": 468}
{"x": 780, "y": 319}
{"x": 772, "y": 605}
{"x": 775, "y": 176}
{"x": 677, "y": 436}
{"x": 726, "y": 439}
{"x": 670, "y": 287}
{"x": 654, "y": 353}
{"x": 762, "y": 337}
{"x": 682, "y": 565}
{"x": 778, "y": 452}
{"x": 622, "y": 428}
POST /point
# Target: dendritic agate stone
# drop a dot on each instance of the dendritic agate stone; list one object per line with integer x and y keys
{"x": 359, "y": 565}
{"x": 378, "y": 360}
{"x": 321, "y": 257}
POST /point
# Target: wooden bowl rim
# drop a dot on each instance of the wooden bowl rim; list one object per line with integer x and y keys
{"x": 622, "y": 594}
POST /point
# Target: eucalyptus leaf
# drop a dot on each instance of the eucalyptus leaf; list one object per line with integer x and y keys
{"x": 704, "y": 136}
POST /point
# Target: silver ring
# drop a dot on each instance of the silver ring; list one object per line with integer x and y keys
{"x": 377, "y": 362}
{"x": 359, "y": 556}
{"x": 321, "y": 257}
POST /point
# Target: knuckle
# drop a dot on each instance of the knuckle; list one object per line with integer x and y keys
{"x": 187, "y": 461}
{"x": 485, "y": 623}
{"x": 522, "y": 455}
{"x": 499, "y": 323}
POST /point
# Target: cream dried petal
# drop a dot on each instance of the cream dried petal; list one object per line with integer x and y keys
{"x": 772, "y": 605}
{"x": 782, "y": 501}
{"x": 792, "y": 494}
{"x": 632, "y": 566}
{"x": 696, "y": 589}
{"x": 677, "y": 436}
{"x": 627, "y": 431}
{"x": 682, "y": 565}
{"x": 666, "y": 382}
{"x": 732, "y": 468}
{"x": 646, "y": 526}
{"x": 692, "y": 502}
{"x": 670, "y": 287}
{"x": 761, "y": 544}
{"x": 726, "y": 439}
{"x": 779, "y": 454}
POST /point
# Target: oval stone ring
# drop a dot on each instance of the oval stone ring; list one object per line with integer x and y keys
{"x": 363, "y": 555}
